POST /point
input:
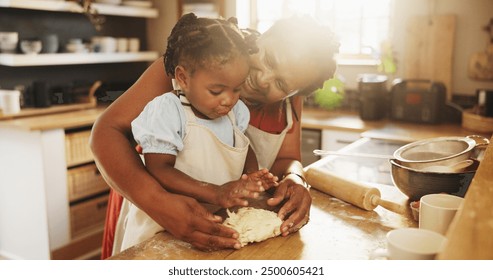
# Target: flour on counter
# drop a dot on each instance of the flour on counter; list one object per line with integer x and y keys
{"x": 254, "y": 225}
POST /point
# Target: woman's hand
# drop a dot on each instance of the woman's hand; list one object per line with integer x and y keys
{"x": 189, "y": 221}
{"x": 296, "y": 209}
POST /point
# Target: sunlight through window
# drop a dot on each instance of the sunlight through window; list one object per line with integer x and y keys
{"x": 361, "y": 25}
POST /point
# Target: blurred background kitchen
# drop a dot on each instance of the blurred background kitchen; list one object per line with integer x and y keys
{"x": 76, "y": 57}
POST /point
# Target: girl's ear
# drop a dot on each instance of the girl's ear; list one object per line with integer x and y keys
{"x": 182, "y": 77}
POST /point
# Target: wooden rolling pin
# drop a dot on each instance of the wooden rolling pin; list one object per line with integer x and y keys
{"x": 350, "y": 191}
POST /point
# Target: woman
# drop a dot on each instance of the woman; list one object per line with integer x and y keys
{"x": 295, "y": 57}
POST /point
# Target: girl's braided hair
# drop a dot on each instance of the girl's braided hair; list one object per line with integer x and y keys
{"x": 204, "y": 42}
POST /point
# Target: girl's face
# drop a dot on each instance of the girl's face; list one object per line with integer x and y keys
{"x": 277, "y": 71}
{"x": 214, "y": 91}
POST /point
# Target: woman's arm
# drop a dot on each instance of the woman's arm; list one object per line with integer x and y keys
{"x": 124, "y": 171}
{"x": 292, "y": 188}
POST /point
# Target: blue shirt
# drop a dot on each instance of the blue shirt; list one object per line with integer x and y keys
{"x": 161, "y": 126}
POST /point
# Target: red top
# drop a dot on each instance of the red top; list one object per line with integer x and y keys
{"x": 112, "y": 212}
{"x": 270, "y": 118}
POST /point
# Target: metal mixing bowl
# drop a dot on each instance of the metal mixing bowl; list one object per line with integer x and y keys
{"x": 435, "y": 151}
{"x": 416, "y": 183}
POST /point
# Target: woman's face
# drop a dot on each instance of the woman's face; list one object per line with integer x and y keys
{"x": 277, "y": 71}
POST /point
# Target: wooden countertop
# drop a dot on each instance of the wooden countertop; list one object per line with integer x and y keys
{"x": 382, "y": 129}
{"x": 312, "y": 118}
{"x": 340, "y": 120}
{"x": 470, "y": 235}
{"x": 72, "y": 119}
{"x": 337, "y": 230}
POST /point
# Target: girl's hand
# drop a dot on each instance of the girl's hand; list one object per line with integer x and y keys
{"x": 236, "y": 193}
{"x": 263, "y": 176}
{"x": 297, "y": 202}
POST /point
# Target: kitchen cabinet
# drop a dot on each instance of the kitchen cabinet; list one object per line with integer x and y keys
{"x": 52, "y": 198}
{"x": 328, "y": 130}
{"x": 338, "y": 128}
{"x": 310, "y": 140}
{"x": 333, "y": 139}
{"x": 87, "y": 190}
{"x": 325, "y": 139}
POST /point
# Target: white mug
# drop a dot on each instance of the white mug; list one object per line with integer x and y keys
{"x": 436, "y": 211}
{"x": 8, "y": 42}
{"x": 121, "y": 44}
{"x": 411, "y": 244}
{"x": 10, "y": 101}
{"x": 108, "y": 44}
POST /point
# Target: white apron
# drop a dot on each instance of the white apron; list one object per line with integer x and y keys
{"x": 267, "y": 145}
{"x": 204, "y": 157}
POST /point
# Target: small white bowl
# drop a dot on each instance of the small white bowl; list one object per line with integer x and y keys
{"x": 75, "y": 48}
{"x": 31, "y": 46}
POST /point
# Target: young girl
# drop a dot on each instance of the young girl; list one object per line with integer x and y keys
{"x": 192, "y": 140}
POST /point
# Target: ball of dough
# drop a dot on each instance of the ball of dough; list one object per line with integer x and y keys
{"x": 254, "y": 225}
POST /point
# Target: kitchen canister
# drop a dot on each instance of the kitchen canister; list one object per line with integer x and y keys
{"x": 372, "y": 96}
{"x": 50, "y": 43}
{"x": 41, "y": 92}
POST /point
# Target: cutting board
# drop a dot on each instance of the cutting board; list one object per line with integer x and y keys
{"x": 481, "y": 65}
{"x": 429, "y": 49}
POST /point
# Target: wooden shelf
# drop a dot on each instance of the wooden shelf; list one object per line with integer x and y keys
{"x": 73, "y": 7}
{"x": 16, "y": 60}
{"x": 85, "y": 102}
{"x": 29, "y": 112}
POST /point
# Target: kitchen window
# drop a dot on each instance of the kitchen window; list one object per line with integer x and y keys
{"x": 361, "y": 26}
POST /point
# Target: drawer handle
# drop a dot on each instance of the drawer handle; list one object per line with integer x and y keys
{"x": 311, "y": 141}
{"x": 343, "y": 142}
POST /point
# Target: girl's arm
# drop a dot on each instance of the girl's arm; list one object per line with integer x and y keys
{"x": 233, "y": 193}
